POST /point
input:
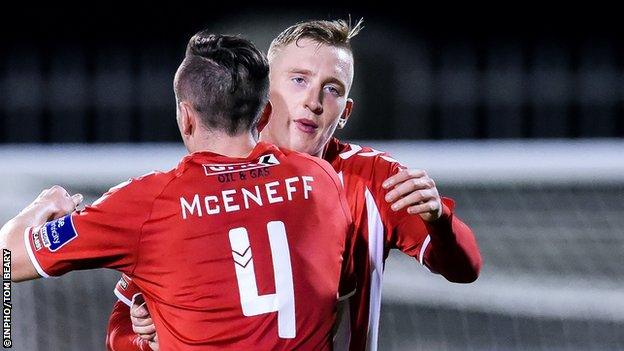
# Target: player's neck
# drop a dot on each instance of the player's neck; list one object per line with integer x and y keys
{"x": 223, "y": 144}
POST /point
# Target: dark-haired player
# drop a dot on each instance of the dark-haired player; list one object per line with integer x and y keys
{"x": 392, "y": 207}
{"x": 240, "y": 247}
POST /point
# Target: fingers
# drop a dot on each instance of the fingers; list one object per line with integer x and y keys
{"x": 147, "y": 332}
{"x": 416, "y": 197}
{"x": 58, "y": 190}
{"x": 77, "y": 199}
{"x": 415, "y": 190}
{"x": 408, "y": 186}
{"x": 431, "y": 206}
{"x": 143, "y": 326}
{"x": 57, "y": 202}
{"x": 153, "y": 344}
{"x": 402, "y": 176}
{"x": 139, "y": 307}
{"x": 142, "y": 323}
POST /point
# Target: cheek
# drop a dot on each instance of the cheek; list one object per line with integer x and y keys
{"x": 328, "y": 130}
{"x": 281, "y": 110}
{"x": 333, "y": 113}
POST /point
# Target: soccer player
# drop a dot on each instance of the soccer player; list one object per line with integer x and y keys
{"x": 392, "y": 207}
{"x": 239, "y": 247}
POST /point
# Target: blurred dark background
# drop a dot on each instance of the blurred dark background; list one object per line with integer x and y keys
{"x": 102, "y": 72}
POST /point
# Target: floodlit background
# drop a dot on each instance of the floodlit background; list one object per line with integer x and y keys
{"x": 517, "y": 113}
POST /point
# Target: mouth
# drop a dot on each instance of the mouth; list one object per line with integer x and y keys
{"x": 306, "y": 125}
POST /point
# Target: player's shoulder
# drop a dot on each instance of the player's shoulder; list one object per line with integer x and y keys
{"x": 150, "y": 181}
{"x": 304, "y": 160}
{"x": 351, "y": 156}
{"x": 146, "y": 185}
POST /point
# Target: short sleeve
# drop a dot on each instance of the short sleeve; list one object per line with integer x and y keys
{"x": 104, "y": 235}
{"x": 126, "y": 290}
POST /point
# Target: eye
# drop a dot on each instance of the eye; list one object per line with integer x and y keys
{"x": 298, "y": 80}
{"x": 332, "y": 90}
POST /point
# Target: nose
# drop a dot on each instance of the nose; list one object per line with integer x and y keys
{"x": 314, "y": 102}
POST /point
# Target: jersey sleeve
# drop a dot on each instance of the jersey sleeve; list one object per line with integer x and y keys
{"x": 126, "y": 290}
{"x": 452, "y": 251}
{"x": 104, "y": 235}
{"x": 446, "y": 246}
{"x": 405, "y": 232}
{"x": 119, "y": 333}
{"x": 348, "y": 280}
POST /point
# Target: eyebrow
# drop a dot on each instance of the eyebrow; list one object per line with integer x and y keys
{"x": 309, "y": 73}
{"x": 300, "y": 70}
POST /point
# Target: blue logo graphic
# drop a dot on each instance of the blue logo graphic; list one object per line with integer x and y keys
{"x": 58, "y": 233}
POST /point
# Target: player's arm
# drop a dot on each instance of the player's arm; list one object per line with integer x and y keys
{"x": 450, "y": 248}
{"x": 50, "y": 204}
{"x": 104, "y": 235}
{"x": 120, "y": 334}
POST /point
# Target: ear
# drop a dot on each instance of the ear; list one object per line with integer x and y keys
{"x": 342, "y": 121}
{"x": 187, "y": 119}
{"x": 266, "y": 115}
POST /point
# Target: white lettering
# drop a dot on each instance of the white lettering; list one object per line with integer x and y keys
{"x": 290, "y": 189}
{"x": 191, "y": 208}
{"x": 249, "y": 195}
{"x": 227, "y": 200}
{"x": 233, "y": 200}
{"x": 306, "y": 187}
{"x": 212, "y": 210}
{"x": 271, "y": 192}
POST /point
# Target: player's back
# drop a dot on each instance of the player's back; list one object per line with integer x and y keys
{"x": 245, "y": 254}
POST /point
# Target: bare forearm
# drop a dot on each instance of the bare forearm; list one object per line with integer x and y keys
{"x": 31, "y": 216}
{"x": 50, "y": 204}
{"x": 12, "y": 238}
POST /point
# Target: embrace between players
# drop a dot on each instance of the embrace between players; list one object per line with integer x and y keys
{"x": 247, "y": 245}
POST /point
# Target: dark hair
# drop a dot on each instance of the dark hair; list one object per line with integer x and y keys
{"x": 226, "y": 80}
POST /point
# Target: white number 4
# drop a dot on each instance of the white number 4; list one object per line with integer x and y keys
{"x": 283, "y": 301}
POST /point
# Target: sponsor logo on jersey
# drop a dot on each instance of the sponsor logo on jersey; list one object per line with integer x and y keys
{"x": 36, "y": 237}
{"x": 58, "y": 233}
{"x": 44, "y": 236}
{"x": 263, "y": 161}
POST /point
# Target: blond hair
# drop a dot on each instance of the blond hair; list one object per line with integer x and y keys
{"x": 335, "y": 33}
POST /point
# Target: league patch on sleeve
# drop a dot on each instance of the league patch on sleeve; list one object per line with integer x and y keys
{"x": 57, "y": 233}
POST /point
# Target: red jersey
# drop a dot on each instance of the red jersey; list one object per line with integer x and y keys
{"x": 230, "y": 254}
{"x": 447, "y": 247}
{"x": 440, "y": 246}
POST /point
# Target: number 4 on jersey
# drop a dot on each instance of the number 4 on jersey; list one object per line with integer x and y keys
{"x": 283, "y": 301}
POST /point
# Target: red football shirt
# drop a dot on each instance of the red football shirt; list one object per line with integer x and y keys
{"x": 378, "y": 229}
{"x": 445, "y": 248}
{"x": 230, "y": 254}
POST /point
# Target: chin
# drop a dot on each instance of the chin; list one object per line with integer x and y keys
{"x": 301, "y": 147}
